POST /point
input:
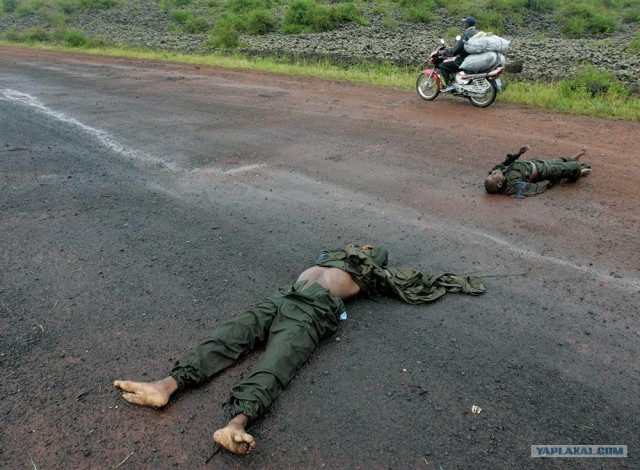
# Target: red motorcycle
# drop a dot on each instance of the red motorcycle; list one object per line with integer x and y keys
{"x": 481, "y": 88}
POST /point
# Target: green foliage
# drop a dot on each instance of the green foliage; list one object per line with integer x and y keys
{"x": 75, "y": 38}
{"x": 25, "y": 8}
{"x": 575, "y": 27}
{"x": 591, "y": 82}
{"x": 191, "y": 24}
{"x": 307, "y": 16}
{"x": 172, "y": 4}
{"x": 634, "y": 45}
{"x": 181, "y": 16}
{"x": 226, "y": 33}
{"x": 259, "y": 22}
{"x": 247, "y": 6}
{"x": 13, "y": 35}
{"x": 36, "y": 35}
{"x": 490, "y": 21}
{"x": 99, "y": 4}
{"x": 9, "y": 6}
{"x": 579, "y": 19}
{"x": 418, "y": 11}
{"x": 196, "y": 25}
{"x": 68, "y": 7}
{"x": 541, "y": 6}
{"x": 631, "y": 15}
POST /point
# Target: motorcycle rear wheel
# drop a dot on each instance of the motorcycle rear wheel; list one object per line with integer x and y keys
{"x": 485, "y": 100}
{"x": 427, "y": 87}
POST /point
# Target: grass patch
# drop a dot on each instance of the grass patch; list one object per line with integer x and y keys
{"x": 308, "y": 16}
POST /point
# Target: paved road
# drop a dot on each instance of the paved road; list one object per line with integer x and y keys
{"x": 144, "y": 202}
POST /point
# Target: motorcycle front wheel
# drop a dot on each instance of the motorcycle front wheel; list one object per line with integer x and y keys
{"x": 427, "y": 87}
{"x": 485, "y": 99}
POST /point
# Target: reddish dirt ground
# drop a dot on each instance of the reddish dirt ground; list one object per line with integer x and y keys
{"x": 143, "y": 202}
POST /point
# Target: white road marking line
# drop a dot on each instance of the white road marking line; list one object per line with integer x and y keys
{"x": 111, "y": 143}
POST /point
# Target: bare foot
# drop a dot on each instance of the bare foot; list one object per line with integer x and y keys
{"x": 585, "y": 172}
{"x": 234, "y": 438}
{"x": 577, "y": 156}
{"x": 152, "y": 394}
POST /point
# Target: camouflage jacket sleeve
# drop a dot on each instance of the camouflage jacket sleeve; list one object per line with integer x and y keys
{"x": 373, "y": 276}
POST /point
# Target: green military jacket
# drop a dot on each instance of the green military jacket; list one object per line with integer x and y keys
{"x": 375, "y": 278}
{"x": 516, "y": 172}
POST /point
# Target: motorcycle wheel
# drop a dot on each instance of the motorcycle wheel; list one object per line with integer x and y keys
{"x": 482, "y": 101}
{"x": 427, "y": 87}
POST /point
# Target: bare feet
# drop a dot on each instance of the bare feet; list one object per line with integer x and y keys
{"x": 585, "y": 172}
{"x": 152, "y": 394}
{"x": 577, "y": 156}
{"x": 234, "y": 438}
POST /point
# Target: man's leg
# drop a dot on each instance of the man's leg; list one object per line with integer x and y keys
{"x": 228, "y": 342}
{"x": 561, "y": 169}
{"x": 577, "y": 156}
{"x": 304, "y": 319}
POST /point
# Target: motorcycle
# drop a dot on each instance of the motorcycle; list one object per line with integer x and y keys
{"x": 481, "y": 88}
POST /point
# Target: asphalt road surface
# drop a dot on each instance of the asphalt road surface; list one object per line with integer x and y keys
{"x": 142, "y": 203}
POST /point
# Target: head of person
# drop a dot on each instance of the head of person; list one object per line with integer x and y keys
{"x": 493, "y": 183}
{"x": 468, "y": 22}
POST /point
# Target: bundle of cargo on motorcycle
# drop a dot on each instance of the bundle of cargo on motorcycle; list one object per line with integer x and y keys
{"x": 478, "y": 79}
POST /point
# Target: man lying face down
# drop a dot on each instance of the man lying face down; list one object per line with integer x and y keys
{"x": 291, "y": 323}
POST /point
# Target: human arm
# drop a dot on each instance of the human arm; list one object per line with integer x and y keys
{"x": 512, "y": 157}
{"x": 455, "y": 50}
{"x": 459, "y": 46}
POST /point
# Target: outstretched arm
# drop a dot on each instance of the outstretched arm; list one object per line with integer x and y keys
{"x": 512, "y": 157}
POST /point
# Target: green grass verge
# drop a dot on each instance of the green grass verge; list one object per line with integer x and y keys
{"x": 550, "y": 96}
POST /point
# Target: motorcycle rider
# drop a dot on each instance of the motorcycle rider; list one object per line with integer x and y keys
{"x": 450, "y": 67}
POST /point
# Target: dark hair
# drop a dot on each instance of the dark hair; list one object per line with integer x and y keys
{"x": 491, "y": 186}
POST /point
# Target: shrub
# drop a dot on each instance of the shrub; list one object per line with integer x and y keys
{"x": 13, "y": 35}
{"x": 541, "y": 6}
{"x": 68, "y": 6}
{"x": 306, "y": 16}
{"x": 634, "y": 45}
{"x": 24, "y": 9}
{"x": 581, "y": 19}
{"x": 631, "y": 15}
{"x": 575, "y": 27}
{"x": 36, "y": 35}
{"x": 181, "y": 16}
{"x": 196, "y": 25}
{"x": 99, "y": 4}
{"x": 260, "y": 22}
{"x": 9, "y": 6}
{"x": 97, "y": 42}
{"x": 226, "y": 32}
{"x": 490, "y": 21}
{"x": 246, "y": 6}
{"x": 591, "y": 82}
{"x": 226, "y": 37}
{"x": 75, "y": 38}
{"x": 418, "y": 11}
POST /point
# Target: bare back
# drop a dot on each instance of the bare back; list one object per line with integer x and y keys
{"x": 336, "y": 281}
